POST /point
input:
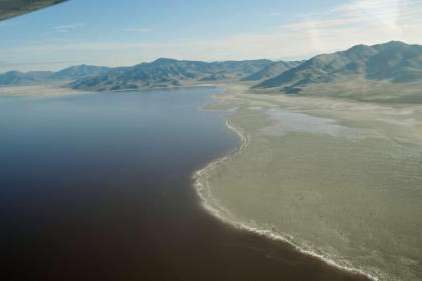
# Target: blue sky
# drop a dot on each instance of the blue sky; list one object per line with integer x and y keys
{"x": 127, "y": 32}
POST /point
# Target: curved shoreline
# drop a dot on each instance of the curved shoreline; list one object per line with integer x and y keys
{"x": 210, "y": 204}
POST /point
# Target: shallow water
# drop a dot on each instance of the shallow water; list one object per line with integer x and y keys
{"x": 99, "y": 187}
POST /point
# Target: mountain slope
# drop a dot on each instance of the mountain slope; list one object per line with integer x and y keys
{"x": 238, "y": 69}
{"x": 393, "y": 61}
{"x": 166, "y": 72}
{"x": 274, "y": 69}
{"x": 17, "y": 78}
{"x": 33, "y": 77}
{"x": 79, "y": 71}
{"x": 162, "y": 72}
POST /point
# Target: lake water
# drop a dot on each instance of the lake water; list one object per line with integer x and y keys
{"x": 99, "y": 187}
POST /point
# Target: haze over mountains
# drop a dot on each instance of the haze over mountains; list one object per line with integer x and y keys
{"x": 32, "y": 77}
{"x": 362, "y": 71}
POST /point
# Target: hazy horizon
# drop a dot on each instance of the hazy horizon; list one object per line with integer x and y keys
{"x": 128, "y": 32}
{"x": 187, "y": 59}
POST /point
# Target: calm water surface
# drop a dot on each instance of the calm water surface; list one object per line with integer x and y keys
{"x": 98, "y": 187}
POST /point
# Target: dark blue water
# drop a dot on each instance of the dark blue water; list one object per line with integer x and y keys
{"x": 99, "y": 187}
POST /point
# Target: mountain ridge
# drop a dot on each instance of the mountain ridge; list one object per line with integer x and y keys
{"x": 31, "y": 77}
{"x": 272, "y": 70}
{"x": 165, "y": 72}
{"x": 394, "y": 61}
{"x": 391, "y": 70}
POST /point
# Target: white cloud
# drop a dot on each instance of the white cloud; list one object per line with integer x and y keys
{"x": 68, "y": 27}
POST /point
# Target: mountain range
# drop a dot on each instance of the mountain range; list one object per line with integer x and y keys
{"x": 362, "y": 70}
{"x": 162, "y": 72}
{"x": 67, "y": 74}
{"x": 394, "y": 61}
{"x": 166, "y": 72}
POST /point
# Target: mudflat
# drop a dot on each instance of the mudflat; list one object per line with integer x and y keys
{"x": 341, "y": 180}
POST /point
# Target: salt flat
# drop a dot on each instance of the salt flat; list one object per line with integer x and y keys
{"x": 339, "y": 178}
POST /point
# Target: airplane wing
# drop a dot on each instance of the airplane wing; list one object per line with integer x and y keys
{"x": 12, "y": 8}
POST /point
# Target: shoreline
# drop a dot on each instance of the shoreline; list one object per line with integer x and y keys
{"x": 211, "y": 205}
{"x": 39, "y": 91}
{"x": 152, "y": 88}
{"x": 59, "y": 89}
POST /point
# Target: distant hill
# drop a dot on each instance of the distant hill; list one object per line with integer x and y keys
{"x": 394, "y": 62}
{"x": 79, "y": 72}
{"x": 17, "y": 78}
{"x": 33, "y": 77}
{"x": 162, "y": 72}
{"x": 272, "y": 70}
{"x": 166, "y": 72}
{"x": 238, "y": 69}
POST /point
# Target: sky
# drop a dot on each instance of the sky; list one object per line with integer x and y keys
{"x": 128, "y": 32}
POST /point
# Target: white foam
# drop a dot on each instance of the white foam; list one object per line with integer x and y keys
{"x": 211, "y": 204}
